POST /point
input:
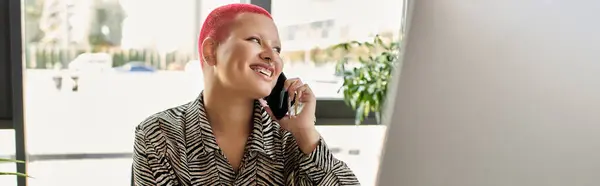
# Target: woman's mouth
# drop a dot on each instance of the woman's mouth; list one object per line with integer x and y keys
{"x": 268, "y": 72}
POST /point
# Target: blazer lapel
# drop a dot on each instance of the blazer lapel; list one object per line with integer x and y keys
{"x": 200, "y": 145}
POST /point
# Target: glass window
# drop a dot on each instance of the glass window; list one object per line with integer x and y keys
{"x": 309, "y": 27}
{"x": 88, "y": 59}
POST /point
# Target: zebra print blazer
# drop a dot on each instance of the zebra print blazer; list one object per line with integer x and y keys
{"x": 178, "y": 147}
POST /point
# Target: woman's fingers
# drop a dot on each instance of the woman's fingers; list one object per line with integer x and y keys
{"x": 307, "y": 94}
{"x": 289, "y": 83}
{"x": 300, "y": 93}
{"x": 292, "y": 85}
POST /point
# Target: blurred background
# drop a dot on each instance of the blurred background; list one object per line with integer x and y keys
{"x": 97, "y": 68}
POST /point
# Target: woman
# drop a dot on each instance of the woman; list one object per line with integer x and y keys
{"x": 227, "y": 135}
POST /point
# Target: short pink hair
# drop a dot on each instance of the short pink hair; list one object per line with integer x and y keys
{"x": 216, "y": 24}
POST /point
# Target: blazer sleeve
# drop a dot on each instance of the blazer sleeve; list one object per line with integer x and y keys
{"x": 317, "y": 168}
{"x": 142, "y": 173}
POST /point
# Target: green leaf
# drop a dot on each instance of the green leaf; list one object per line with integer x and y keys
{"x": 2, "y": 160}
{"x": 369, "y": 46}
{"x": 365, "y": 86}
{"x": 359, "y": 118}
{"x": 13, "y": 174}
{"x": 367, "y": 109}
{"x": 355, "y": 43}
{"x": 378, "y": 40}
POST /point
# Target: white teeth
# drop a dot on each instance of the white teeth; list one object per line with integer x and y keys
{"x": 262, "y": 70}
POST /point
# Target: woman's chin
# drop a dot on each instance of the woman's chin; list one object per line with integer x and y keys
{"x": 264, "y": 92}
{"x": 260, "y": 91}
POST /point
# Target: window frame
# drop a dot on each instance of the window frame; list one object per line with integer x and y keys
{"x": 11, "y": 15}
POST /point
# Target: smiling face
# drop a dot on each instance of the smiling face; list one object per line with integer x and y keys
{"x": 247, "y": 60}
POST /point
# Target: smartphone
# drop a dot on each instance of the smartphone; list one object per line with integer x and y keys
{"x": 278, "y": 99}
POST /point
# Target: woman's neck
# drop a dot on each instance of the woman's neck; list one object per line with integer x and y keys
{"x": 227, "y": 112}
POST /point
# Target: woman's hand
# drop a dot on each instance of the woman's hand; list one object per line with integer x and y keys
{"x": 302, "y": 125}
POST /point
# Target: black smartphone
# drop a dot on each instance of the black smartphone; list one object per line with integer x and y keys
{"x": 278, "y": 99}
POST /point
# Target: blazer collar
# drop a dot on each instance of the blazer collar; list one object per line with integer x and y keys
{"x": 201, "y": 139}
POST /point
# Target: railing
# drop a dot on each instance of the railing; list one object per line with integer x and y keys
{"x": 48, "y": 57}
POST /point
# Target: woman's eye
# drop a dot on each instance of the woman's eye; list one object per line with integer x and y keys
{"x": 256, "y": 40}
{"x": 253, "y": 39}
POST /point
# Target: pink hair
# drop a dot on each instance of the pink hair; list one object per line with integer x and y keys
{"x": 218, "y": 21}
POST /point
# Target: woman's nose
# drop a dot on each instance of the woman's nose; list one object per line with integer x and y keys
{"x": 267, "y": 58}
{"x": 268, "y": 55}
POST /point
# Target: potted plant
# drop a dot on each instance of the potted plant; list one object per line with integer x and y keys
{"x": 366, "y": 68}
{"x": 11, "y": 173}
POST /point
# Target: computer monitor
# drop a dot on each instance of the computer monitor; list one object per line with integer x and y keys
{"x": 502, "y": 92}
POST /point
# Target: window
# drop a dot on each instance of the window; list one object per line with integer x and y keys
{"x": 310, "y": 27}
{"x": 83, "y": 59}
{"x": 86, "y": 59}
{"x": 315, "y": 26}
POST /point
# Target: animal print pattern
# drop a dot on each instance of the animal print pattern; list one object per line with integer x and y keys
{"x": 177, "y": 147}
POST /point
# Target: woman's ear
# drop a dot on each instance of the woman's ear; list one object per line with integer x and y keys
{"x": 209, "y": 46}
